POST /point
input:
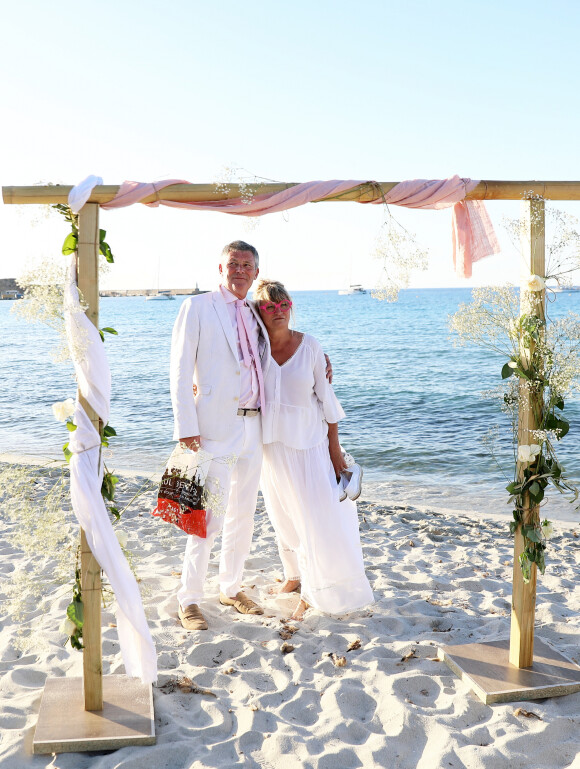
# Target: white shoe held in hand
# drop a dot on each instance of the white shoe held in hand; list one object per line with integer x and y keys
{"x": 353, "y": 481}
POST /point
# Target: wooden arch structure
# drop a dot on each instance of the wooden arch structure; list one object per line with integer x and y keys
{"x": 499, "y": 670}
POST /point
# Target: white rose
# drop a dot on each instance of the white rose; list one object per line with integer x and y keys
{"x": 547, "y": 529}
{"x": 62, "y": 410}
{"x": 535, "y": 283}
{"x": 122, "y": 537}
{"x": 67, "y": 626}
{"x": 527, "y": 454}
{"x": 512, "y": 364}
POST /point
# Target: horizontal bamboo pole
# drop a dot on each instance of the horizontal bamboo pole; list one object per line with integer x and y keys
{"x": 184, "y": 193}
{"x": 195, "y": 193}
{"x": 509, "y": 190}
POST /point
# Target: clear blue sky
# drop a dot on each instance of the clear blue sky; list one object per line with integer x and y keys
{"x": 290, "y": 91}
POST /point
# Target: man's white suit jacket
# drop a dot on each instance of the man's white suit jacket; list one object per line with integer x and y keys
{"x": 204, "y": 351}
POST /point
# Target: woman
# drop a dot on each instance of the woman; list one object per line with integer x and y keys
{"x": 318, "y": 537}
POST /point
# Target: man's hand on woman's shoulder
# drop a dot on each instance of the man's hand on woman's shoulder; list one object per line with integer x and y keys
{"x": 328, "y": 368}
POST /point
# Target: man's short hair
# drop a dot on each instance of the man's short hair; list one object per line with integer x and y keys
{"x": 240, "y": 245}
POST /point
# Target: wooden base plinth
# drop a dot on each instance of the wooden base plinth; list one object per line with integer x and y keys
{"x": 485, "y": 667}
{"x": 64, "y": 726}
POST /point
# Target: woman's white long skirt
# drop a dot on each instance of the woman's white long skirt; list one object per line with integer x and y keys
{"x": 318, "y": 536}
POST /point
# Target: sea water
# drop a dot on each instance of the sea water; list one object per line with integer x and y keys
{"x": 415, "y": 417}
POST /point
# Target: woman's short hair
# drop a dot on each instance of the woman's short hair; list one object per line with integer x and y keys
{"x": 270, "y": 291}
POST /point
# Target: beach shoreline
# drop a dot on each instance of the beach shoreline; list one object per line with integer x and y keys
{"x": 493, "y": 505}
{"x": 437, "y": 579}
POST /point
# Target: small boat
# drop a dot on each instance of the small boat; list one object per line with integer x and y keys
{"x": 564, "y": 289}
{"x": 354, "y": 288}
{"x": 160, "y": 296}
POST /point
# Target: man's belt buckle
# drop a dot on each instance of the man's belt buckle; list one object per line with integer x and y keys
{"x": 248, "y": 412}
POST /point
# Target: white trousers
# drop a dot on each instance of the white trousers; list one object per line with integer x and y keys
{"x": 232, "y": 485}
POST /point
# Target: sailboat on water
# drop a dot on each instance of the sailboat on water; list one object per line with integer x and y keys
{"x": 162, "y": 296}
{"x": 354, "y": 288}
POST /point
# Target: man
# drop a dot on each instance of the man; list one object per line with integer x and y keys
{"x": 220, "y": 345}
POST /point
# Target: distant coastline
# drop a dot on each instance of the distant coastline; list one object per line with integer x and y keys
{"x": 150, "y": 291}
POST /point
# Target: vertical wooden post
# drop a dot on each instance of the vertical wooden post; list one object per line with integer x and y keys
{"x": 524, "y": 595}
{"x": 88, "y": 281}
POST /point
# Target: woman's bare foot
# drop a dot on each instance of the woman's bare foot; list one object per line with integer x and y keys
{"x": 299, "y": 611}
{"x": 288, "y": 586}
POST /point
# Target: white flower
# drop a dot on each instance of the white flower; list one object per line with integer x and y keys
{"x": 535, "y": 283}
{"x": 62, "y": 410}
{"x": 122, "y": 537}
{"x": 512, "y": 363}
{"x": 527, "y": 454}
{"x": 547, "y": 529}
{"x": 67, "y": 626}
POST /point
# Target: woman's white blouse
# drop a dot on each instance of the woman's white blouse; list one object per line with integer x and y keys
{"x": 300, "y": 403}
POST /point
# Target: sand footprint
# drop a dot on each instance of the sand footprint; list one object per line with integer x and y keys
{"x": 419, "y": 690}
{"x": 303, "y": 709}
{"x": 350, "y": 699}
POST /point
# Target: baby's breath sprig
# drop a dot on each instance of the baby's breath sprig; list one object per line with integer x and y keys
{"x": 562, "y": 241}
{"x": 43, "y": 302}
{"x": 40, "y": 525}
{"x": 43, "y": 286}
{"x": 542, "y": 369}
{"x": 400, "y": 254}
{"x": 230, "y": 175}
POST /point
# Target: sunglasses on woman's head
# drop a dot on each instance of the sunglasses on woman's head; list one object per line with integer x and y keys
{"x": 271, "y": 307}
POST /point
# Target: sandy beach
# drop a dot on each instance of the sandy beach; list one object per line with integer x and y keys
{"x": 364, "y": 690}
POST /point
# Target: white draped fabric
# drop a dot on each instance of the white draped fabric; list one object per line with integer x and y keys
{"x": 81, "y": 192}
{"x": 86, "y": 474}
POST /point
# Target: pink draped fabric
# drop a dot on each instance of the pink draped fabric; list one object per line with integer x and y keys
{"x": 298, "y": 195}
{"x": 473, "y": 234}
{"x": 429, "y": 193}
